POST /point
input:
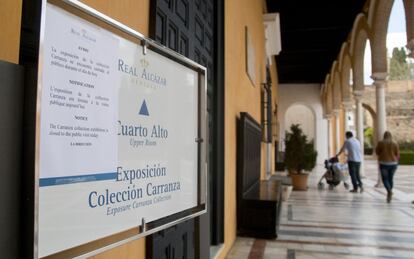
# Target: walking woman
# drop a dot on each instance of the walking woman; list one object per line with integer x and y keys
{"x": 388, "y": 154}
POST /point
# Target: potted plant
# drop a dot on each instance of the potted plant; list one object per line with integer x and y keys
{"x": 300, "y": 157}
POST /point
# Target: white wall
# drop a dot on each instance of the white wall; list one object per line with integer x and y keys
{"x": 307, "y": 95}
{"x": 302, "y": 115}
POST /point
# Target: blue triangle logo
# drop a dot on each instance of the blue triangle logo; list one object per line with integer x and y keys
{"x": 144, "y": 109}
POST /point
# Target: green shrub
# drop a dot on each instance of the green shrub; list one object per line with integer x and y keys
{"x": 406, "y": 145}
{"x": 368, "y": 151}
{"x": 300, "y": 154}
{"x": 368, "y": 137}
{"x": 407, "y": 158}
{"x": 310, "y": 156}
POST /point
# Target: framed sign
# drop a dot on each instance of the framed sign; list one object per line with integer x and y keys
{"x": 250, "y": 57}
{"x": 121, "y": 133}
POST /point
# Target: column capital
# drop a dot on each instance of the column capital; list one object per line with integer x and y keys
{"x": 358, "y": 95}
{"x": 347, "y": 105}
{"x": 379, "y": 78}
{"x": 335, "y": 112}
{"x": 358, "y": 87}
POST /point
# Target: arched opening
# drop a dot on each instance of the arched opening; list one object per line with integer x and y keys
{"x": 369, "y": 129}
{"x": 349, "y": 114}
{"x": 367, "y": 65}
{"x": 398, "y": 61}
{"x": 400, "y": 90}
{"x": 302, "y": 115}
{"x": 358, "y": 44}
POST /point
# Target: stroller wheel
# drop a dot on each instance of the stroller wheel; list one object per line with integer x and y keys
{"x": 320, "y": 186}
{"x": 346, "y": 185}
{"x": 331, "y": 187}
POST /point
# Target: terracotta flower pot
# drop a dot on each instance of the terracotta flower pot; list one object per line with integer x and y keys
{"x": 299, "y": 182}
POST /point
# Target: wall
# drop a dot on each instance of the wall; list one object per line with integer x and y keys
{"x": 275, "y": 107}
{"x": 10, "y": 16}
{"x": 399, "y": 107}
{"x": 133, "y": 13}
{"x": 240, "y": 94}
{"x": 308, "y": 95}
{"x": 301, "y": 114}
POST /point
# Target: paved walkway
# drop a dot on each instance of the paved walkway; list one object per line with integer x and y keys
{"x": 403, "y": 179}
{"x": 338, "y": 224}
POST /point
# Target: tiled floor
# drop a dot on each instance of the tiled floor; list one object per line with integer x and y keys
{"x": 338, "y": 224}
{"x": 403, "y": 180}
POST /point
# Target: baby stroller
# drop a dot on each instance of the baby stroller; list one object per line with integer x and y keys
{"x": 335, "y": 174}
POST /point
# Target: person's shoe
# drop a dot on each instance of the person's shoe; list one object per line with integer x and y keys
{"x": 354, "y": 190}
{"x": 361, "y": 189}
{"x": 389, "y": 197}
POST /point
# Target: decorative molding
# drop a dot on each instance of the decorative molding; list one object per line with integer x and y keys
{"x": 273, "y": 40}
{"x": 380, "y": 79}
{"x": 379, "y": 76}
{"x": 358, "y": 94}
{"x": 348, "y": 105}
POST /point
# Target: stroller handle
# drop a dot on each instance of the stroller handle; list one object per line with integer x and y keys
{"x": 333, "y": 159}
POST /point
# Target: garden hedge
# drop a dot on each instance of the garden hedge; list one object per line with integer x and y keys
{"x": 406, "y": 157}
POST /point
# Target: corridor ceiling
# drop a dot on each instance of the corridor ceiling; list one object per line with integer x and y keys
{"x": 312, "y": 34}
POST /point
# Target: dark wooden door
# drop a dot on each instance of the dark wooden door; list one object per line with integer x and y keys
{"x": 173, "y": 243}
{"x": 194, "y": 28}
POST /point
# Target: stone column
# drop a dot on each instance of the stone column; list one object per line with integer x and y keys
{"x": 337, "y": 130}
{"x": 328, "y": 119}
{"x": 347, "y": 110}
{"x": 359, "y": 118}
{"x": 346, "y": 122}
{"x": 380, "y": 83}
{"x": 360, "y": 126}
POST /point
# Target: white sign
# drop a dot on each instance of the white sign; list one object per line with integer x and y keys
{"x": 117, "y": 134}
{"x": 250, "y": 57}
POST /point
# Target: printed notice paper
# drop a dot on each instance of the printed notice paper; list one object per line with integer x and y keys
{"x": 79, "y": 101}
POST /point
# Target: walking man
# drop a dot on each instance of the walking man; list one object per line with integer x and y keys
{"x": 353, "y": 152}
